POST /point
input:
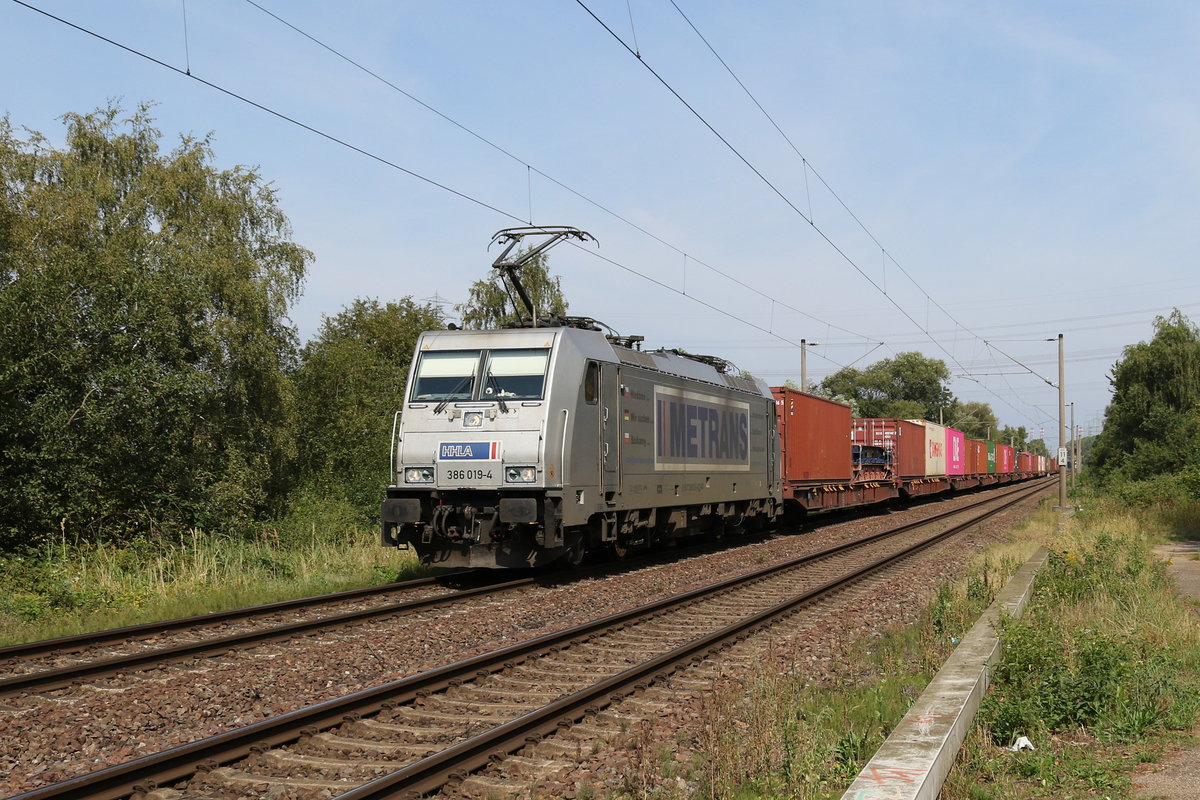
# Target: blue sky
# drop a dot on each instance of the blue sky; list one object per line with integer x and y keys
{"x": 1003, "y": 171}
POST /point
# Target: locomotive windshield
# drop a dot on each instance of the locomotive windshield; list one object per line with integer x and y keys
{"x": 450, "y": 375}
{"x": 515, "y": 374}
{"x": 446, "y": 375}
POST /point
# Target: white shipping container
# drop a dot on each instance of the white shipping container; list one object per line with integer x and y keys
{"x": 935, "y": 448}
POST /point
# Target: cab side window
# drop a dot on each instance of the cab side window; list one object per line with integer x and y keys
{"x": 591, "y": 383}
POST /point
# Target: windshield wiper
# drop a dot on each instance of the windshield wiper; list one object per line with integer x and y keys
{"x": 440, "y": 407}
{"x": 491, "y": 381}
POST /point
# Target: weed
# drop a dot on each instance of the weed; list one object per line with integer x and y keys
{"x": 1146, "y": 756}
{"x": 1098, "y": 672}
{"x": 851, "y": 749}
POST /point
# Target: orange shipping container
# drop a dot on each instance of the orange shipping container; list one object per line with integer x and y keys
{"x": 814, "y": 437}
{"x": 977, "y": 460}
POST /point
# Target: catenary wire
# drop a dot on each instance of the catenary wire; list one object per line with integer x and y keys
{"x": 809, "y": 166}
{"x": 380, "y": 159}
{"x": 807, "y": 218}
{"x": 535, "y": 170}
{"x": 430, "y": 181}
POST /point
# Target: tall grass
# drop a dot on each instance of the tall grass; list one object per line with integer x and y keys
{"x": 1100, "y": 670}
{"x": 73, "y": 587}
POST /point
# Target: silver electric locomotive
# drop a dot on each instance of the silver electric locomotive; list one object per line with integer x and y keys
{"x": 523, "y": 446}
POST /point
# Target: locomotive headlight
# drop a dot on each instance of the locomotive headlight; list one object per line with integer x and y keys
{"x": 520, "y": 474}
{"x": 473, "y": 419}
{"x": 418, "y": 475}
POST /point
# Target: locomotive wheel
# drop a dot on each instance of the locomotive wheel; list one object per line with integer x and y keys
{"x": 575, "y": 553}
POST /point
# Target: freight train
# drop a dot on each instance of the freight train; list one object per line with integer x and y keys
{"x": 530, "y": 445}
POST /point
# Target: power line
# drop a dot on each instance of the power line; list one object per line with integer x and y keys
{"x": 384, "y": 161}
{"x": 1058, "y": 329}
{"x": 460, "y": 194}
{"x": 806, "y": 217}
{"x": 532, "y": 169}
{"x": 808, "y": 165}
{"x": 809, "y": 217}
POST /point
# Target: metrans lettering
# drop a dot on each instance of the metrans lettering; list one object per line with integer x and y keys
{"x": 469, "y": 451}
{"x": 698, "y": 431}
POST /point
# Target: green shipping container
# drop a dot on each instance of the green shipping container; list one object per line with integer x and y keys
{"x": 991, "y": 458}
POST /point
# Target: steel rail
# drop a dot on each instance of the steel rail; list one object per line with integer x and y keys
{"x": 146, "y": 629}
{"x": 159, "y": 769}
{"x": 58, "y": 677}
{"x": 149, "y": 628}
{"x": 45, "y": 680}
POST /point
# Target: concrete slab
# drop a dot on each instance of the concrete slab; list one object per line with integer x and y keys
{"x": 1183, "y": 565}
{"x": 914, "y": 761}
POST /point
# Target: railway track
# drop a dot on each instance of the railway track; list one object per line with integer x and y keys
{"x": 54, "y": 663}
{"x": 51, "y": 664}
{"x": 413, "y": 735}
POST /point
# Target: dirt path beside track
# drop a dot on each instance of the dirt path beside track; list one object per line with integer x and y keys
{"x": 1177, "y": 777}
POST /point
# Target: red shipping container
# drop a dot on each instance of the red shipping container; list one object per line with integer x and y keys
{"x": 814, "y": 437}
{"x": 977, "y": 463}
{"x": 1024, "y": 461}
{"x": 905, "y": 439}
{"x": 1005, "y": 459}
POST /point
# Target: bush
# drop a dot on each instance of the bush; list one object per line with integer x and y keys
{"x": 1057, "y": 674}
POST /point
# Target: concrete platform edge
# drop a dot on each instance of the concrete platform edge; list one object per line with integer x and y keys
{"x": 917, "y": 756}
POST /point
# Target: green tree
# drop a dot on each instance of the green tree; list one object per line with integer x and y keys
{"x": 904, "y": 409}
{"x": 1085, "y": 449}
{"x": 143, "y": 333}
{"x": 908, "y": 386}
{"x": 350, "y": 383}
{"x": 489, "y": 304}
{"x": 1017, "y": 437}
{"x": 1152, "y": 425}
{"x": 975, "y": 419}
{"x": 1037, "y": 447}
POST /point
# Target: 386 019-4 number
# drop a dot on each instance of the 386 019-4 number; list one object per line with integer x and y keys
{"x": 468, "y": 474}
